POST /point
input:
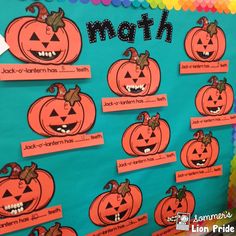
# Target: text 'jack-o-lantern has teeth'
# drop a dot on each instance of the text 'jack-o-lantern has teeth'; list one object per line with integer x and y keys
{"x": 49, "y": 38}
{"x": 68, "y": 113}
{"x": 180, "y": 200}
{"x": 56, "y": 230}
{"x": 215, "y": 99}
{"x": 148, "y": 137}
{"x": 24, "y": 190}
{"x": 138, "y": 76}
{"x": 206, "y": 43}
{"x": 200, "y": 152}
{"x": 119, "y": 204}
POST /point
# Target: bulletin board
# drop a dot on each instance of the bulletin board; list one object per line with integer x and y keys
{"x": 71, "y": 182}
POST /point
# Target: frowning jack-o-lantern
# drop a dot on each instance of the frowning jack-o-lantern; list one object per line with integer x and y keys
{"x": 206, "y": 43}
{"x": 122, "y": 202}
{"x": 46, "y": 39}
{"x": 215, "y": 99}
{"x": 138, "y": 76}
{"x": 148, "y": 137}
{"x": 180, "y": 200}
{"x": 68, "y": 113}
{"x": 200, "y": 152}
{"x": 56, "y": 230}
{"x": 24, "y": 191}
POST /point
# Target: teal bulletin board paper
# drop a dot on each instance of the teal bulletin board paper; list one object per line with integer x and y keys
{"x": 81, "y": 174}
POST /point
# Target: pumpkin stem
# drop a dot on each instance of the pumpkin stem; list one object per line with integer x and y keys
{"x": 40, "y": 230}
{"x": 204, "y": 21}
{"x": 173, "y": 190}
{"x": 42, "y": 11}
{"x": 15, "y": 172}
{"x": 145, "y": 116}
{"x": 54, "y": 230}
{"x": 134, "y": 54}
{"x": 214, "y": 81}
{"x": 61, "y": 90}
{"x": 199, "y": 135}
{"x": 114, "y": 186}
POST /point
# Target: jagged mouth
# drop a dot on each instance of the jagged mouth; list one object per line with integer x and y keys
{"x": 205, "y": 55}
{"x": 214, "y": 110}
{"x": 117, "y": 217}
{"x": 135, "y": 88}
{"x": 199, "y": 162}
{"x": 146, "y": 149}
{"x": 172, "y": 219}
{"x": 65, "y": 128}
{"x": 46, "y": 56}
{"x": 17, "y": 208}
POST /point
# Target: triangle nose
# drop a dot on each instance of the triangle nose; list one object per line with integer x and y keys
{"x": 146, "y": 140}
{"x": 45, "y": 44}
{"x": 199, "y": 155}
{"x": 135, "y": 80}
{"x": 215, "y": 102}
{"x": 63, "y": 118}
{"x": 205, "y": 46}
{"x": 17, "y": 198}
{"x": 116, "y": 208}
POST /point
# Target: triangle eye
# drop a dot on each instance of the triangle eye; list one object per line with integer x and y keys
{"x": 169, "y": 208}
{"x": 205, "y": 150}
{"x": 220, "y": 98}
{"x": 108, "y": 205}
{"x": 34, "y": 37}
{"x": 141, "y": 75}
{"x": 195, "y": 151}
{"x": 127, "y": 75}
{"x": 199, "y": 41}
{"x": 210, "y": 98}
{"x": 54, "y": 113}
{"x": 180, "y": 205}
{"x": 123, "y": 202}
{"x": 153, "y": 135}
{"x": 71, "y": 112}
{"x": 210, "y": 42}
{"x": 27, "y": 190}
{"x": 7, "y": 194}
{"x": 54, "y": 38}
{"x": 140, "y": 136}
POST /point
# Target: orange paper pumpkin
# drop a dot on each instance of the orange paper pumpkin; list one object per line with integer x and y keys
{"x": 121, "y": 203}
{"x": 150, "y": 136}
{"x": 206, "y": 43}
{"x": 68, "y": 113}
{"x": 56, "y": 230}
{"x": 45, "y": 39}
{"x": 138, "y": 76}
{"x": 215, "y": 99}
{"x": 24, "y": 191}
{"x": 200, "y": 152}
{"x": 180, "y": 200}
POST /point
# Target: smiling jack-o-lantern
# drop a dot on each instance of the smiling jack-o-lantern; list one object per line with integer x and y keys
{"x": 68, "y": 113}
{"x": 180, "y": 200}
{"x": 138, "y": 76}
{"x": 46, "y": 39}
{"x": 215, "y": 99}
{"x": 206, "y": 43}
{"x": 122, "y": 202}
{"x": 200, "y": 152}
{"x": 24, "y": 191}
{"x": 148, "y": 137}
{"x": 56, "y": 230}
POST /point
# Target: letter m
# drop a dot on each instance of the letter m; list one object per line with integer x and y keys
{"x": 101, "y": 28}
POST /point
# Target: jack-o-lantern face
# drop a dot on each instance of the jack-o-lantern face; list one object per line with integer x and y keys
{"x": 122, "y": 202}
{"x": 56, "y": 230}
{"x": 180, "y": 201}
{"x": 146, "y": 138}
{"x": 215, "y": 99}
{"x": 200, "y": 152}
{"x": 24, "y": 190}
{"x": 69, "y": 113}
{"x": 138, "y": 76}
{"x": 46, "y": 39}
{"x": 206, "y": 43}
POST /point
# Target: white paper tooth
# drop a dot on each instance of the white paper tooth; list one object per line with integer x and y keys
{"x": 53, "y": 53}
{"x": 18, "y": 205}
{"x": 147, "y": 150}
{"x": 21, "y": 204}
{"x": 58, "y": 129}
{"x": 50, "y": 54}
{"x": 63, "y": 131}
{"x": 21, "y": 209}
{"x": 39, "y": 53}
{"x": 42, "y": 53}
{"x": 8, "y": 206}
{"x": 68, "y": 131}
{"x": 46, "y": 54}
{"x": 64, "y": 126}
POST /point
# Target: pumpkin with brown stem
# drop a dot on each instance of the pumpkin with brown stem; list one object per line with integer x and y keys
{"x": 24, "y": 190}
{"x": 180, "y": 200}
{"x": 206, "y": 43}
{"x": 49, "y": 38}
{"x": 121, "y": 203}
{"x": 138, "y": 76}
